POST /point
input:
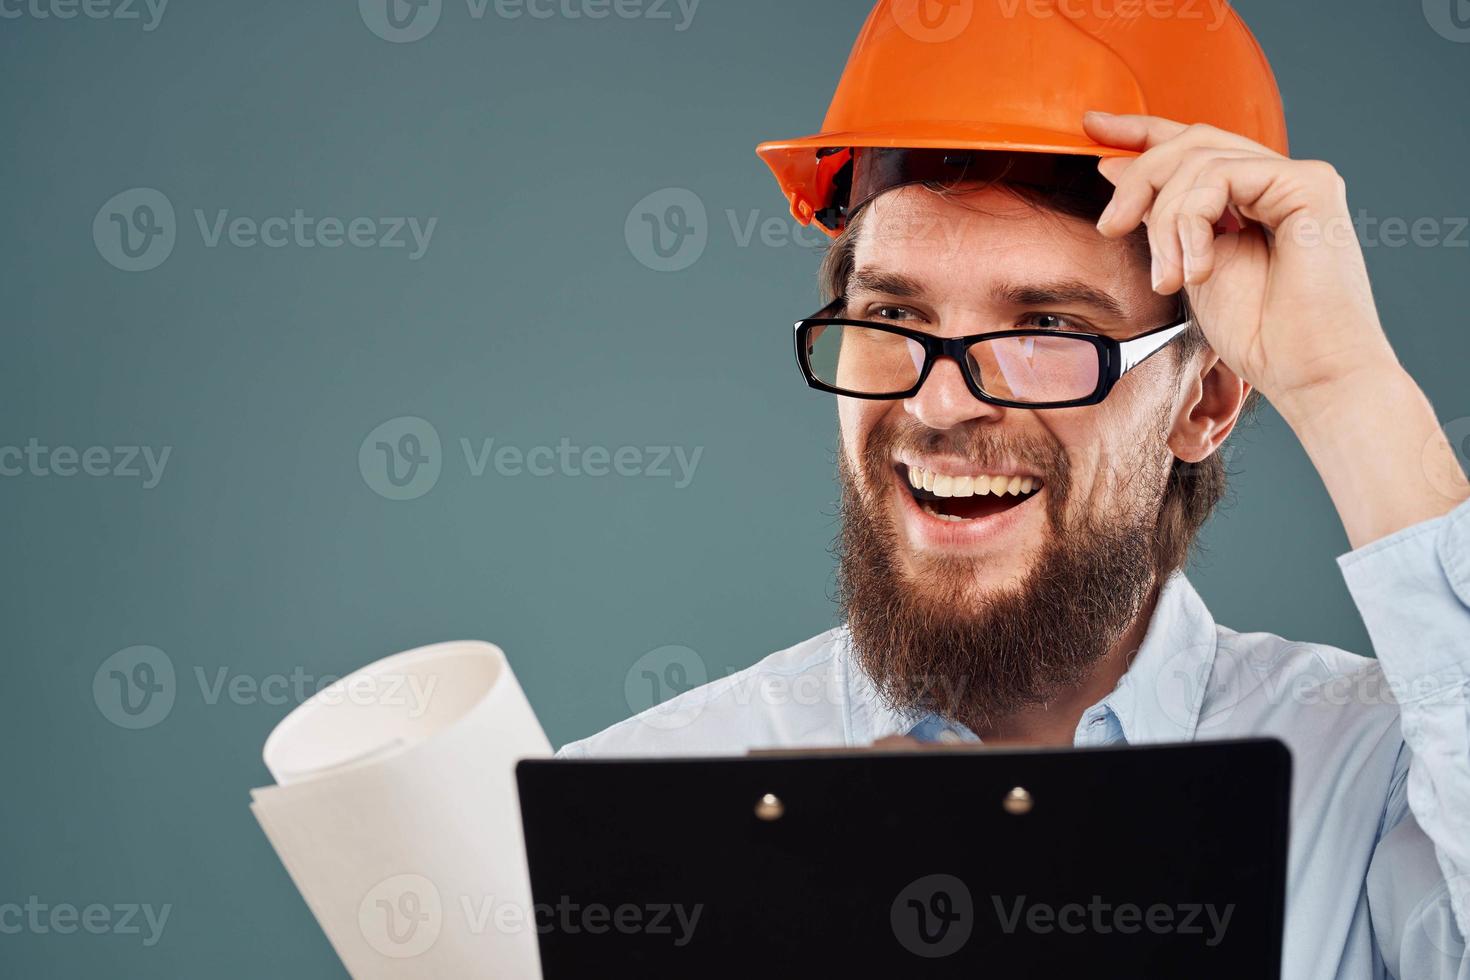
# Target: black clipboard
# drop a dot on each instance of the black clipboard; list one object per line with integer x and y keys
{"x": 1152, "y": 861}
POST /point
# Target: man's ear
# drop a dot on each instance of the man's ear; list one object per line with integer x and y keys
{"x": 1212, "y": 399}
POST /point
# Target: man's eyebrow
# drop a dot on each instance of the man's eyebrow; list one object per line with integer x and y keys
{"x": 1059, "y": 293}
{"x": 1063, "y": 292}
{"x": 889, "y": 283}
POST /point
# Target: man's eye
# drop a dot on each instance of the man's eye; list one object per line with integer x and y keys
{"x": 892, "y": 313}
{"x": 1050, "y": 321}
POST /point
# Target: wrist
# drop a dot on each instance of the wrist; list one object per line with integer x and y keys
{"x": 1374, "y": 439}
{"x": 1325, "y": 403}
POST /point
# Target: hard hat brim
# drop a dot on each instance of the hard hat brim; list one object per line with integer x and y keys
{"x": 1018, "y": 139}
{"x": 794, "y": 161}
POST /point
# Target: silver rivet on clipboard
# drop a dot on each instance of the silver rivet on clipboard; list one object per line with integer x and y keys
{"x": 769, "y": 807}
{"x": 1017, "y": 801}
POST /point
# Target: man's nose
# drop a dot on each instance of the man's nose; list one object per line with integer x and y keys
{"x": 945, "y": 400}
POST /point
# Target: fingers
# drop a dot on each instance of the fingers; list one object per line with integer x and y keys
{"x": 1140, "y": 183}
{"x": 1197, "y": 248}
{"x": 1200, "y": 199}
{"x": 1191, "y": 182}
{"x": 1158, "y": 196}
{"x": 1183, "y": 218}
{"x": 1173, "y": 154}
{"x": 1143, "y": 133}
{"x": 1187, "y": 183}
{"x": 1113, "y": 168}
{"x": 1130, "y": 132}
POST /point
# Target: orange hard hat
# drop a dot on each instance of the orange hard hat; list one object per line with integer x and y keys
{"x": 1017, "y": 75}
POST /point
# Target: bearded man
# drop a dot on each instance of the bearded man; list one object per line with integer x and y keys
{"x": 1044, "y": 323}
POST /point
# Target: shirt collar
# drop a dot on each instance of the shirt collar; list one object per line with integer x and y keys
{"x": 869, "y": 716}
{"x": 1158, "y": 699}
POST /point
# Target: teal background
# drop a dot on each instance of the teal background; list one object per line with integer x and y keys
{"x": 529, "y": 320}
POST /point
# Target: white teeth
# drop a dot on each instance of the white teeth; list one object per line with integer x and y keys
{"x": 944, "y": 485}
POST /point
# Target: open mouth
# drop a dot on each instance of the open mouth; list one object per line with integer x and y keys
{"x": 966, "y": 498}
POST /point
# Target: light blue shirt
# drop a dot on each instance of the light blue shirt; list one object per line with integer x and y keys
{"x": 1379, "y": 865}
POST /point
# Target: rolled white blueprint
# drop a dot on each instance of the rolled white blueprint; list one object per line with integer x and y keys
{"x": 395, "y": 813}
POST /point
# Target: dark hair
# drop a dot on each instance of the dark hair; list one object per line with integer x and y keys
{"x": 1193, "y": 489}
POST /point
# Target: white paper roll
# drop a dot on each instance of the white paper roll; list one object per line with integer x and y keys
{"x": 395, "y": 813}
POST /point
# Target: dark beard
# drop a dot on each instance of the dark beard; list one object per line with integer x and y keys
{"x": 935, "y": 646}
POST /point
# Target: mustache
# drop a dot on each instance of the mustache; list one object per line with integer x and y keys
{"x": 978, "y": 443}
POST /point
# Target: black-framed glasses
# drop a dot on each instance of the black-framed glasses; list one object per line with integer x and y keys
{"x": 1027, "y": 367}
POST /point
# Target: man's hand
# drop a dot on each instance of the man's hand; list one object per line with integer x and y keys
{"x": 1289, "y": 311}
{"x": 1283, "y": 298}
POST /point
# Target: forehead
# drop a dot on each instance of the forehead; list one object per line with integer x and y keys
{"x": 969, "y": 243}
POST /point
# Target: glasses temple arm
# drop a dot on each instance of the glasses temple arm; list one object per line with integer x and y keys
{"x": 1134, "y": 352}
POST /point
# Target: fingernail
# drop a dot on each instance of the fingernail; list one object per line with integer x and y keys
{"x": 1188, "y": 261}
{"x": 1102, "y": 219}
{"x": 1157, "y": 272}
